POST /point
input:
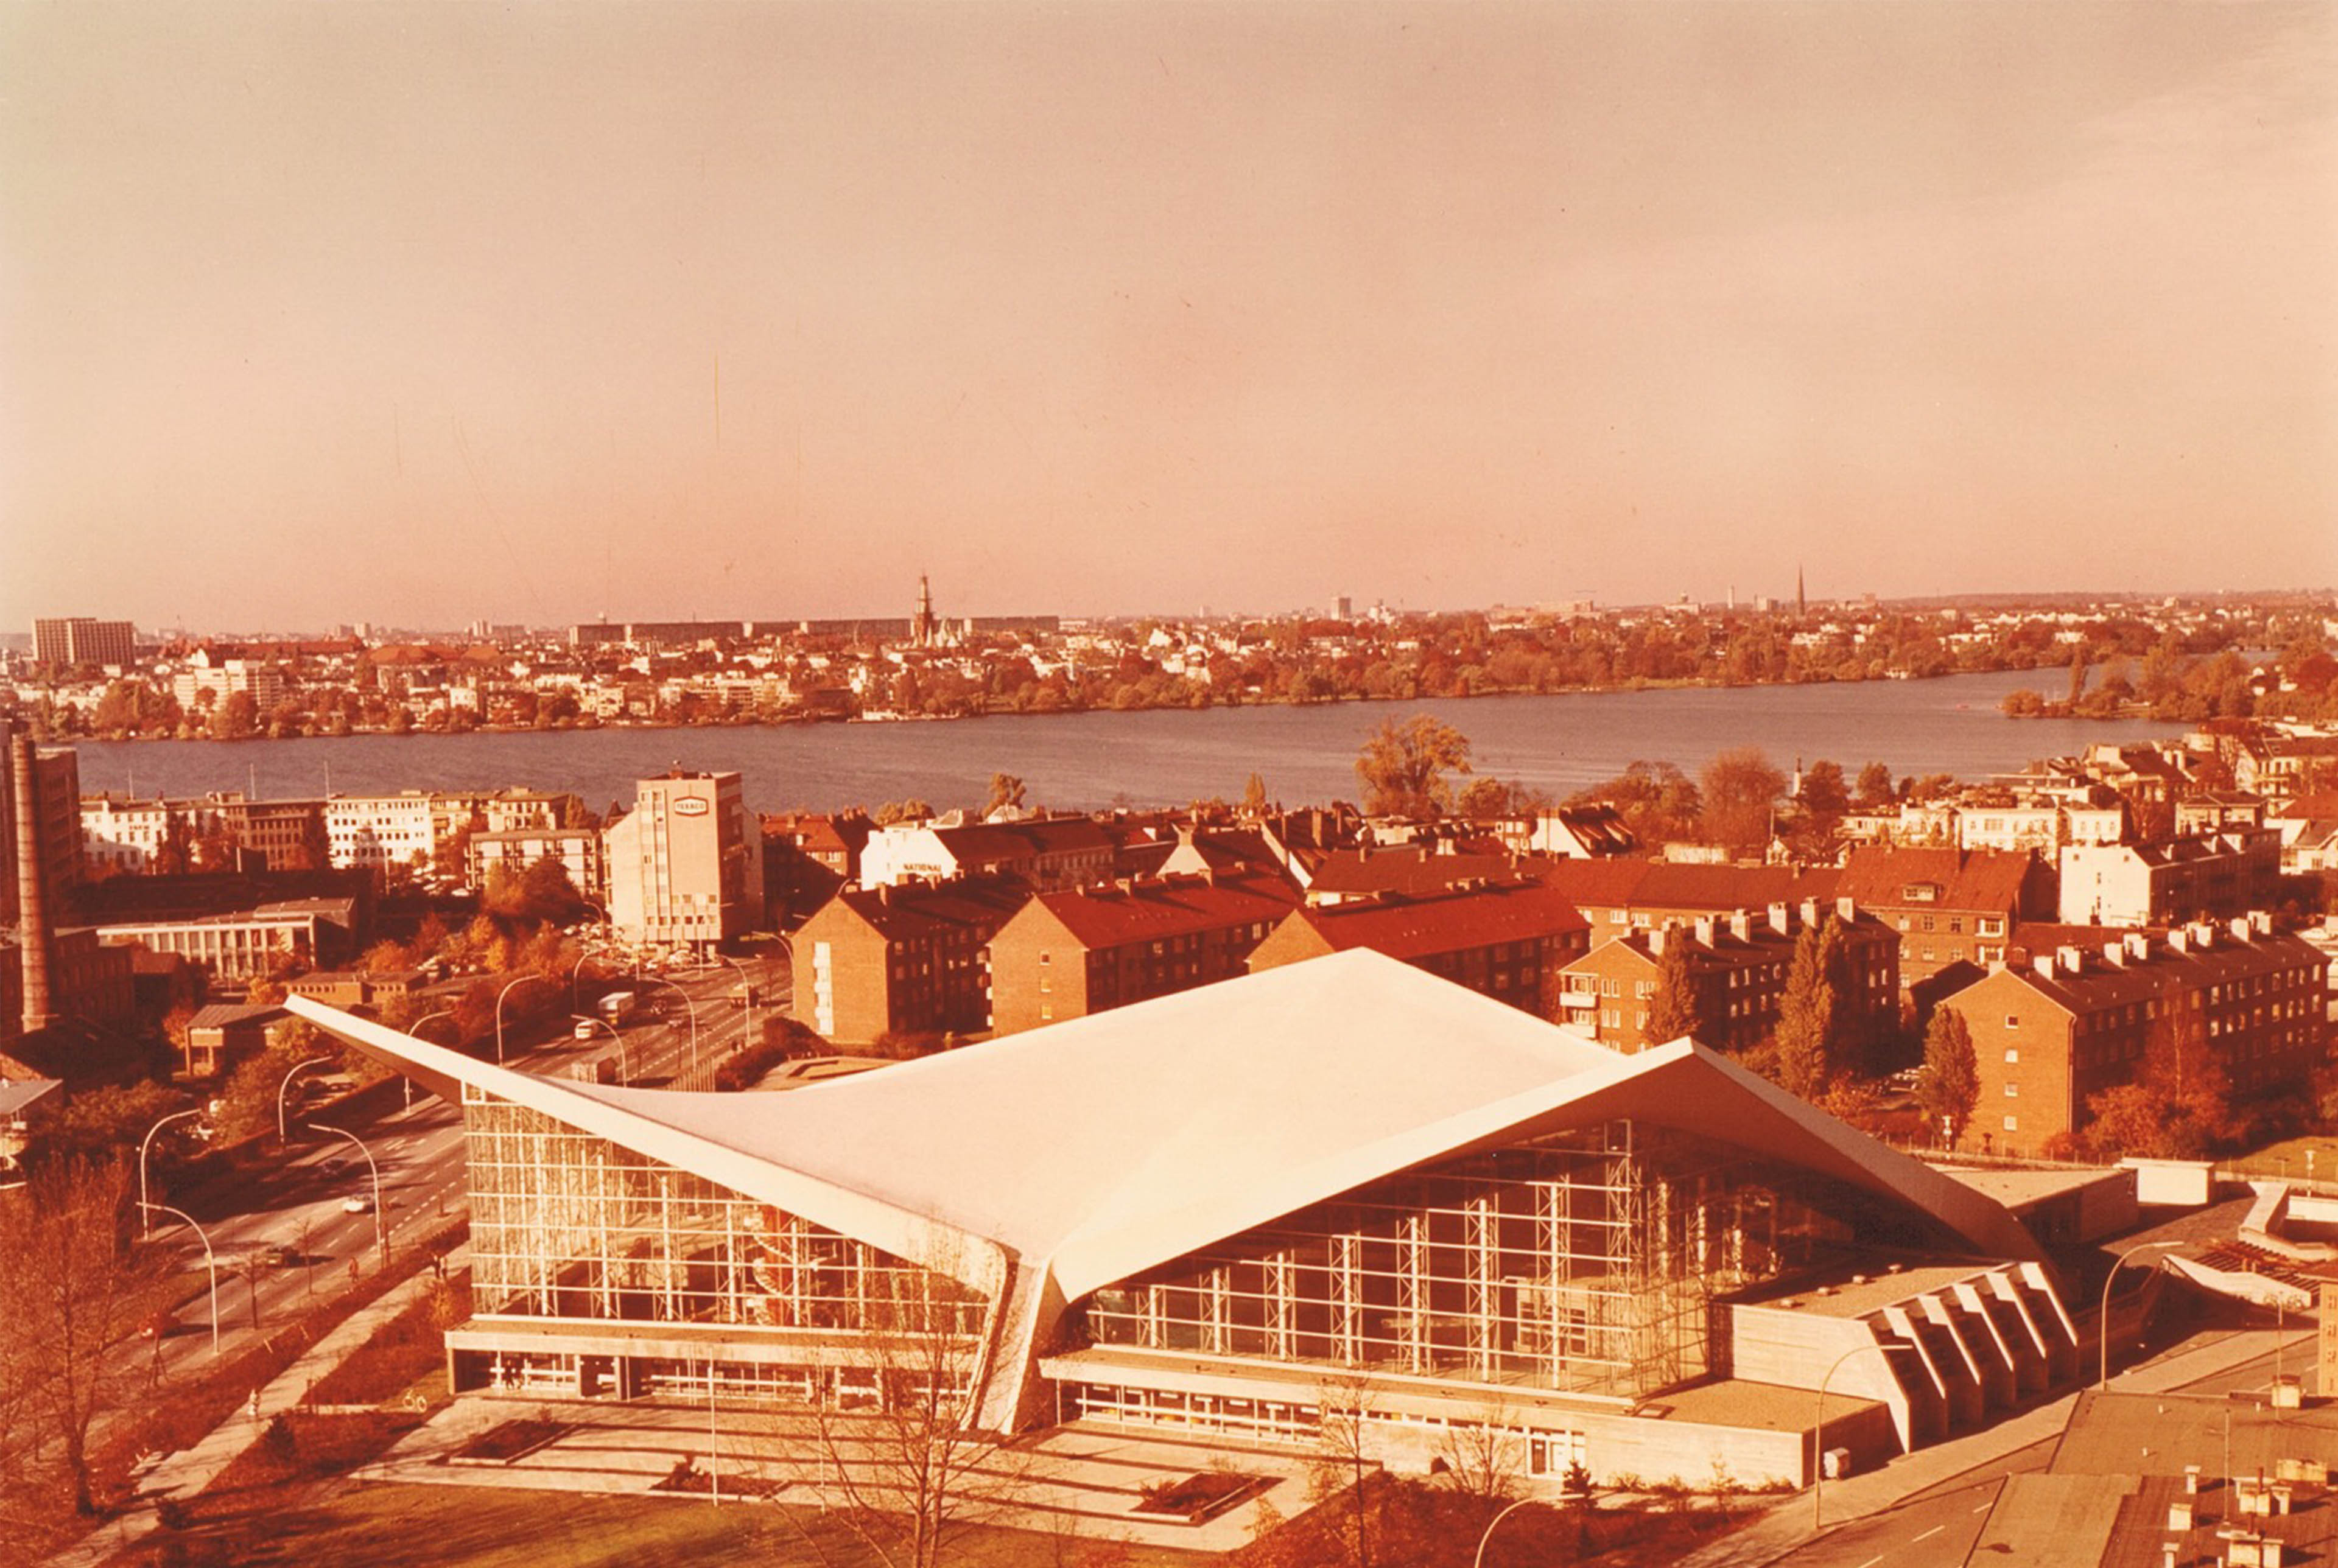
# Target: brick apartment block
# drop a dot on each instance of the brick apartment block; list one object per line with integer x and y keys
{"x": 2077, "y": 1020}
{"x": 1506, "y": 940}
{"x": 1738, "y": 963}
{"x": 1070, "y": 954}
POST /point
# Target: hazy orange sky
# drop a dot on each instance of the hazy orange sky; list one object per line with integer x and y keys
{"x": 419, "y": 313}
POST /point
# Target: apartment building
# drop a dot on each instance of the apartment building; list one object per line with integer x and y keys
{"x": 685, "y": 864}
{"x": 1068, "y": 953}
{"x": 1948, "y": 906}
{"x": 2216, "y": 875}
{"x": 1621, "y": 897}
{"x": 2077, "y": 1020}
{"x": 513, "y": 850}
{"x": 1508, "y": 940}
{"x": 1738, "y": 963}
{"x": 62, "y": 642}
{"x": 253, "y": 944}
{"x": 1043, "y": 852}
{"x": 902, "y": 959}
{"x": 374, "y": 832}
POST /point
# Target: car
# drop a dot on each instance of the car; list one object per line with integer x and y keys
{"x": 355, "y": 1205}
{"x": 584, "y": 1030}
{"x": 278, "y": 1256}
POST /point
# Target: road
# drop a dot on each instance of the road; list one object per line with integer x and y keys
{"x": 294, "y": 1201}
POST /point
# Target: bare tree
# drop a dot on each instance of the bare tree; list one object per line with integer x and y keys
{"x": 76, "y": 1291}
{"x": 908, "y": 1470}
{"x": 1339, "y": 1463}
{"x": 1484, "y": 1456}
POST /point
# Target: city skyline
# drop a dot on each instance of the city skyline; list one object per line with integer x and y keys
{"x": 428, "y": 315}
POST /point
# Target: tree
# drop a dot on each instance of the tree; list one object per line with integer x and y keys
{"x": 2180, "y": 1106}
{"x": 2024, "y": 703}
{"x": 1874, "y": 787}
{"x": 236, "y": 719}
{"x": 1806, "y": 1013}
{"x": 1254, "y": 801}
{"x": 1402, "y": 767}
{"x": 76, "y": 1289}
{"x": 1824, "y": 792}
{"x": 912, "y": 1472}
{"x": 1741, "y": 788}
{"x": 1483, "y": 1458}
{"x": 1948, "y": 1086}
{"x": 910, "y": 810}
{"x": 1490, "y": 800}
{"x": 1006, "y": 793}
{"x": 1674, "y": 1011}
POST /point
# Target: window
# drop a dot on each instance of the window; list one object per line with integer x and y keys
{"x": 2013, "y": 1123}
{"x": 2013, "y": 1020}
{"x": 2013, "y": 1090}
{"x": 2013, "y": 1054}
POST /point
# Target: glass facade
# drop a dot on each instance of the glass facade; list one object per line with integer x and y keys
{"x": 567, "y": 1225}
{"x": 1585, "y": 1262}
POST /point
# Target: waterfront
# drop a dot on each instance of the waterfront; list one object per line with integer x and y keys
{"x": 1086, "y": 760}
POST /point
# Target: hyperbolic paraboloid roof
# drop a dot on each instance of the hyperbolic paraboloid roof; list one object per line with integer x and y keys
{"x": 1075, "y": 1155}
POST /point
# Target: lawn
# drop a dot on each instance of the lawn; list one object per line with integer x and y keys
{"x": 2286, "y": 1159}
{"x": 298, "y": 1525}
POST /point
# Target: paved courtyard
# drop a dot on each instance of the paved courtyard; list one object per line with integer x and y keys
{"x": 1082, "y": 1479}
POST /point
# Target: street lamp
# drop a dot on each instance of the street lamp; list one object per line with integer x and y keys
{"x": 625, "y": 1068}
{"x": 211, "y": 1262}
{"x": 2103, "y": 1323}
{"x": 297, "y": 1069}
{"x": 746, "y": 994}
{"x": 1479, "y": 1560}
{"x": 691, "y": 1007}
{"x": 146, "y": 1224}
{"x": 380, "y": 1235}
{"x": 1818, "y": 1435}
{"x": 506, "y": 990}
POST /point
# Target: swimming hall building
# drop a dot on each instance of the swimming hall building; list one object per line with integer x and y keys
{"x": 1340, "y": 1186}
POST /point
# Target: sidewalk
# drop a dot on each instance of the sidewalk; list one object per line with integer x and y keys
{"x": 190, "y": 1470}
{"x": 1786, "y": 1527}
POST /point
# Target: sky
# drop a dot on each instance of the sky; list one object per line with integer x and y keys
{"x": 418, "y": 314}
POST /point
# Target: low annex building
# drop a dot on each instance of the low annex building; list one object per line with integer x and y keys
{"x": 1238, "y": 1208}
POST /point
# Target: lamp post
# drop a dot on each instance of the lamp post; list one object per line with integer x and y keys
{"x": 746, "y": 994}
{"x": 688, "y": 1005}
{"x": 1479, "y": 1560}
{"x": 1818, "y": 1435}
{"x": 211, "y": 1263}
{"x": 146, "y": 1223}
{"x": 624, "y": 1067}
{"x": 506, "y": 990}
{"x": 2103, "y": 1323}
{"x": 282, "y": 1088}
{"x": 380, "y": 1235}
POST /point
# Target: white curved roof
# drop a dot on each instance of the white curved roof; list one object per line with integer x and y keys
{"x": 1107, "y": 1144}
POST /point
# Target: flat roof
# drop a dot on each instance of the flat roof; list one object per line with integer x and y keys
{"x": 1847, "y": 1293}
{"x": 2016, "y": 1189}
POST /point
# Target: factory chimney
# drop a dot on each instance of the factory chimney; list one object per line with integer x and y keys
{"x": 32, "y": 894}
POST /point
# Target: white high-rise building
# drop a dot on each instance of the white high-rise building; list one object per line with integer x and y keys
{"x": 685, "y": 864}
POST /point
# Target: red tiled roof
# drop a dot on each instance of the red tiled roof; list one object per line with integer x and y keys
{"x": 914, "y": 909}
{"x": 1418, "y": 927}
{"x": 1111, "y": 914}
{"x": 1411, "y": 869}
{"x": 1664, "y": 885}
{"x": 1987, "y": 880}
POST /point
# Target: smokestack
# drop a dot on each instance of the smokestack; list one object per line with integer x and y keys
{"x": 32, "y": 894}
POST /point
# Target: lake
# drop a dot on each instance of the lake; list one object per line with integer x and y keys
{"x": 1085, "y": 761}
